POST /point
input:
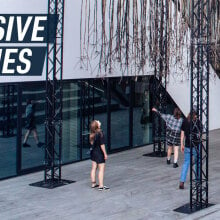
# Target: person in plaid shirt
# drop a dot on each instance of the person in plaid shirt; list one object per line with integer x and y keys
{"x": 173, "y": 125}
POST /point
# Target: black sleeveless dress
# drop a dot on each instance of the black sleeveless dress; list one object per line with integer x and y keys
{"x": 97, "y": 154}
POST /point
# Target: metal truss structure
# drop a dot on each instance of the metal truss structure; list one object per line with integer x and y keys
{"x": 161, "y": 64}
{"x": 54, "y": 101}
{"x": 200, "y": 61}
{"x": 8, "y": 109}
{"x": 86, "y": 111}
{"x": 54, "y": 75}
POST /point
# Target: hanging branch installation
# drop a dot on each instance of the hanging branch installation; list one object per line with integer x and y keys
{"x": 122, "y": 36}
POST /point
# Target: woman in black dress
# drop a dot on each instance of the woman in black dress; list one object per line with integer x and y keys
{"x": 98, "y": 154}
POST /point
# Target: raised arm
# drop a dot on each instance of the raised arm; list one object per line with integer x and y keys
{"x": 163, "y": 116}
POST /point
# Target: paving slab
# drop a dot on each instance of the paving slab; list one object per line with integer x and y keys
{"x": 142, "y": 188}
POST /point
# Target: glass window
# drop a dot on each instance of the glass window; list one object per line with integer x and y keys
{"x": 119, "y": 107}
{"x": 142, "y": 123}
{"x": 8, "y": 130}
{"x": 33, "y": 127}
{"x": 71, "y": 122}
{"x": 94, "y": 106}
{"x": 114, "y": 114}
{"x": 100, "y": 105}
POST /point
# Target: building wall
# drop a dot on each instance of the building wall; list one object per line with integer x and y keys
{"x": 180, "y": 92}
{"x": 178, "y": 89}
{"x": 72, "y": 64}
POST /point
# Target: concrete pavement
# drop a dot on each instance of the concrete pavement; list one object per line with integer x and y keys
{"x": 142, "y": 188}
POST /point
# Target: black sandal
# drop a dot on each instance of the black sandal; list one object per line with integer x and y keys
{"x": 94, "y": 185}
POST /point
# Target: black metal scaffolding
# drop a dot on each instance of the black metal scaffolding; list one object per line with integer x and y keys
{"x": 54, "y": 75}
{"x": 200, "y": 61}
{"x": 54, "y": 89}
{"x": 160, "y": 75}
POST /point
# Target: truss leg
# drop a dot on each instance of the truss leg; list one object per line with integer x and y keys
{"x": 200, "y": 60}
{"x": 54, "y": 89}
{"x": 158, "y": 89}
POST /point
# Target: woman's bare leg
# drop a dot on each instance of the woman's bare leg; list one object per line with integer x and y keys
{"x": 169, "y": 152}
{"x": 93, "y": 172}
{"x": 176, "y": 153}
{"x": 101, "y": 167}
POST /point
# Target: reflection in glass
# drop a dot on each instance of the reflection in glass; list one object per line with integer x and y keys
{"x": 100, "y": 104}
{"x": 95, "y": 108}
{"x": 118, "y": 106}
{"x": 33, "y": 127}
{"x": 120, "y": 93}
{"x": 71, "y": 122}
{"x": 8, "y": 130}
{"x": 142, "y": 125}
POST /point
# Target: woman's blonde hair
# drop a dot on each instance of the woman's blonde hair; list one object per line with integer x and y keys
{"x": 94, "y": 128}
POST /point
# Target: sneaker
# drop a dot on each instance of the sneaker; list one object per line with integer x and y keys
{"x": 168, "y": 162}
{"x": 103, "y": 188}
{"x": 175, "y": 165}
{"x": 181, "y": 186}
{"x": 40, "y": 144}
{"x": 26, "y": 145}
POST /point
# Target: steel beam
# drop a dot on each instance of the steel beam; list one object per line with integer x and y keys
{"x": 160, "y": 75}
{"x": 200, "y": 60}
{"x": 54, "y": 76}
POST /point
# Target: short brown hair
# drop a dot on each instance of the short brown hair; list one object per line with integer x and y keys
{"x": 177, "y": 113}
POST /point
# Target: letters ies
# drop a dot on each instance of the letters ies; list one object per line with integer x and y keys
{"x": 16, "y": 32}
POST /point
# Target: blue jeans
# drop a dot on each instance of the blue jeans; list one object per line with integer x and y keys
{"x": 186, "y": 163}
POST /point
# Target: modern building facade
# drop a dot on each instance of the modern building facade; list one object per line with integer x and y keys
{"x": 117, "y": 100}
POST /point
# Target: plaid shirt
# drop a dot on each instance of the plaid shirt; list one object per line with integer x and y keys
{"x": 173, "y": 129}
{"x": 172, "y": 123}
